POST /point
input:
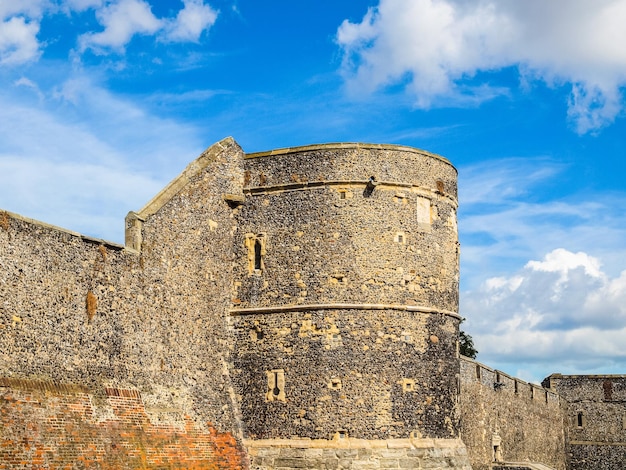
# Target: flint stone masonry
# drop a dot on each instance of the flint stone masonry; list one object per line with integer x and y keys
{"x": 296, "y": 308}
{"x": 600, "y": 400}
{"x": 524, "y": 420}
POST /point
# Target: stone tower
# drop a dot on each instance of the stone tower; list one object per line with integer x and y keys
{"x": 345, "y": 299}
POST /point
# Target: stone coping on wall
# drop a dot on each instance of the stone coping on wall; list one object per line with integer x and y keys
{"x": 178, "y": 183}
{"x": 346, "y": 146}
{"x": 483, "y": 367}
{"x": 354, "y": 443}
{"x": 582, "y": 376}
{"x": 381, "y": 185}
{"x": 596, "y": 443}
{"x": 38, "y": 223}
{"x": 340, "y": 306}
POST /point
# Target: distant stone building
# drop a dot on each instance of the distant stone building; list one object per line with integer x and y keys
{"x": 288, "y": 309}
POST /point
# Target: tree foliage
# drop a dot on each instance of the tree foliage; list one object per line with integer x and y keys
{"x": 466, "y": 344}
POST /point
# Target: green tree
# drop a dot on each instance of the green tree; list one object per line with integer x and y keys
{"x": 466, "y": 344}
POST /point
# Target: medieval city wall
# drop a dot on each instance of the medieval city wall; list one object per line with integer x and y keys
{"x": 510, "y": 420}
{"x": 114, "y": 357}
{"x": 595, "y": 419}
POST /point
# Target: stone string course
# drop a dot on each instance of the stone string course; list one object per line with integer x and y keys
{"x": 357, "y": 453}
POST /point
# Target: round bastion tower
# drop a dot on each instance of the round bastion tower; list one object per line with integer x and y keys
{"x": 345, "y": 301}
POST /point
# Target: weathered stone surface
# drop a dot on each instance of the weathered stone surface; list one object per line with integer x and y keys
{"x": 360, "y": 453}
{"x": 595, "y": 418}
{"x": 524, "y": 420}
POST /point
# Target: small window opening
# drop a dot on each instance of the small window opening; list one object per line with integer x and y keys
{"x": 256, "y": 334}
{"x": 579, "y": 419}
{"x": 342, "y": 194}
{"x": 408, "y": 385}
{"x": 516, "y": 385}
{"x": 335, "y": 384}
{"x": 275, "y": 385}
{"x": 342, "y": 434}
{"x": 276, "y": 390}
{"x": 546, "y": 396}
{"x": 257, "y": 254}
{"x": 477, "y": 371}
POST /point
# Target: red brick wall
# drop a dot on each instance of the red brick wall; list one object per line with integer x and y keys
{"x": 48, "y": 425}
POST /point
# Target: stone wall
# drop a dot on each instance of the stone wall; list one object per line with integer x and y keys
{"x": 151, "y": 318}
{"x": 595, "y": 419}
{"x": 524, "y": 420}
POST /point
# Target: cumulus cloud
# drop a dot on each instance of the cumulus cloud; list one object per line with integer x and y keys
{"x": 195, "y": 18}
{"x": 435, "y": 48}
{"x": 82, "y": 157}
{"x": 562, "y": 308}
{"x": 121, "y": 20}
{"x": 508, "y": 214}
{"x": 124, "y": 19}
{"x": 28, "y": 8}
{"x": 18, "y": 41}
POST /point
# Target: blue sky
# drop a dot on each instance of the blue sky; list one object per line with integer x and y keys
{"x": 102, "y": 102}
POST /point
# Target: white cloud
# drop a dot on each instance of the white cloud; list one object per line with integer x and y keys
{"x": 508, "y": 213}
{"x": 562, "y": 261}
{"x": 81, "y": 5}
{"x": 191, "y": 22}
{"x": 18, "y": 41}
{"x": 121, "y": 20}
{"x": 83, "y": 157}
{"x": 563, "y": 310}
{"x": 27, "y": 8}
{"x": 434, "y": 46}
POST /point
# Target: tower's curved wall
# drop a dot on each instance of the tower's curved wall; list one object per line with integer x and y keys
{"x": 346, "y": 293}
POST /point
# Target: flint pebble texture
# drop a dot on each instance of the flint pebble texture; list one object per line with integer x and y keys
{"x": 595, "y": 418}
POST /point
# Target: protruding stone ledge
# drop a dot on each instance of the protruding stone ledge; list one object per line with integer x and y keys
{"x": 298, "y": 453}
{"x": 382, "y": 185}
{"x": 355, "y": 443}
{"x": 339, "y": 306}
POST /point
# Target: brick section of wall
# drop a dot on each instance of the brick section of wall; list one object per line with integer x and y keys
{"x": 526, "y": 419}
{"x": 45, "y": 428}
{"x": 285, "y": 454}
